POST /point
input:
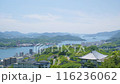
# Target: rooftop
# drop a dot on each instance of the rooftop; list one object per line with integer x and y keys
{"x": 94, "y": 55}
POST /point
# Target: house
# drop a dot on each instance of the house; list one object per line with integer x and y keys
{"x": 42, "y": 64}
{"x": 94, "y": 56}
{"x": 19, "y": 59}
{"x": 24, "y": 65}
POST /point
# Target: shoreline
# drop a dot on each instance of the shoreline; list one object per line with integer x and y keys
{"x": 14, "y": 47}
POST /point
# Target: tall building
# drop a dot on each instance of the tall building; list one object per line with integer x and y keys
{"x": 21, "y": 53}
{"x": 31, "y": 51}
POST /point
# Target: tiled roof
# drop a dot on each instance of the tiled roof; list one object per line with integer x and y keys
{"x": 94, "y": 55}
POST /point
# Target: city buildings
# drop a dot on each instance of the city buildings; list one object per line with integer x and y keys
{"x": 9, "y": 61}
{"x": 24, "y": 65}
{"x": 97, "y": 43}
{"x": 30, "y": 51}
{"x": 19, "y": 59}
{"x": 41, "y": 64}
{"x": 13, "y": 60}
{"x": 21, "y": 54}
{"x": 25, "y": 45}
{"x": 6, "y": 62}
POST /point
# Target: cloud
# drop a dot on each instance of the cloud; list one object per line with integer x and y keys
{"x": 53, "y": 23}
{"x": 48, "y": 17}
{"x": 73, "y": 13}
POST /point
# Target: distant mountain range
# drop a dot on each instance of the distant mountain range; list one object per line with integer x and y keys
{"x": 17, "y": 37}
{"x": 117, "y": 35}
{"x": 110, "y": 34}
{"x": 115, "y": 38}
{"x": 15, "y": 34}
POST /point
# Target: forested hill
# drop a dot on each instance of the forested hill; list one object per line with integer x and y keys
{"x": 67, "y": 37}
{"x": 12, "y": 42}
{"x": 15, "y": 34}
{"x": 115, "y": 38}
{"x": 110, "y": 34}
{"x": 116, "y": 35}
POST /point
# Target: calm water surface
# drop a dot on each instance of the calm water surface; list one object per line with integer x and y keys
{"x": 9, "y": 52}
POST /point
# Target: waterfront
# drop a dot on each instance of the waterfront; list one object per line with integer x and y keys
{"x": 10, "y": 52}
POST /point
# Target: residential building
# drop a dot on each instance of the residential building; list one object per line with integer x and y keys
{"x": 6, "y": 62}
{"x": 13, "y": 60}
{"x": 24, "y": 65}
{"x": 42, "y": 64}
{"x": 9, "y": 61}
{"x": 19, "y": 59}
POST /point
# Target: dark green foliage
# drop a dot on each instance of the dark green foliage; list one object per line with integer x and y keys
{"x": 67, "y": 65}
{"x": 92, "y": 48}
{"x": 89, "y": 64}
{"x": 113, "y": 61}
{"x": 51, "y": 61}
{"x": 5, "y": 42}
{"x": 8, "y": 45}
{"x": 63, "y": 60}
{"x": 108, "y": 45}
{"x": 62, "y": 53}
{"x": 71, "y": 65}
{"x": 55, "y": 66}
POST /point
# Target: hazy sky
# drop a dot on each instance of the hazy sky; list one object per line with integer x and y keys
{"x": 73, "y": 16}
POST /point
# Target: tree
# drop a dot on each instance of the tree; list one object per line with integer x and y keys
{"x": 112, "y": 62}
{"x": 55, "y": 66}
{"x": 89, "y": 64}
{"x": 62, "y": 53}
{"x": 68, "y": 53}
{"x": 51, "y": 61}
{"x": 71, "y": 65}
{"x": 63, "y": 60}
{"x": 93, "y": 47}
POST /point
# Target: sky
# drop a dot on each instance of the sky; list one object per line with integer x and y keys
{"x": 72, "y": 16}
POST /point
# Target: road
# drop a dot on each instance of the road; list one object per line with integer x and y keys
{"x": 54, "y": 61}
